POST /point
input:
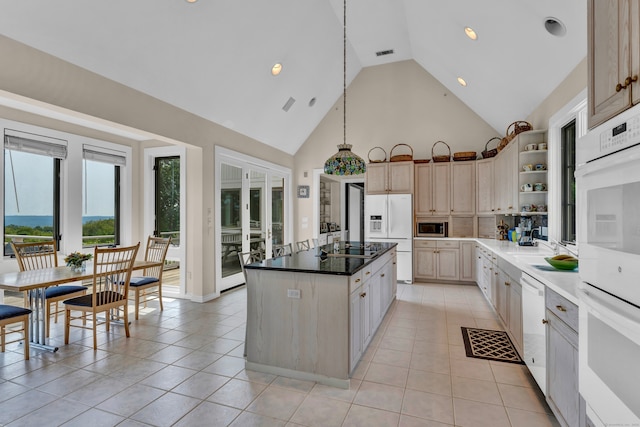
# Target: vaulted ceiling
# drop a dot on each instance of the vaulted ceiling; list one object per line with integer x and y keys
{"x": 213, "y": 58}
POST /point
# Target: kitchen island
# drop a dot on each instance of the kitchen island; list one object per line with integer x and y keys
{"x": 311, "y": 315}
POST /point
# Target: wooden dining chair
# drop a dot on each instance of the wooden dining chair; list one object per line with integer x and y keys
{"x": 149, "y": 285}
{"x": 282, "y": 250}
{"x": 10, "y": 314}
{"x": 111, "y": 275}
{"x": 37, "y": 255}
{"x": 303, "y": 245}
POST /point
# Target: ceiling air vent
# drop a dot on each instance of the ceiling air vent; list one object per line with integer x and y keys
{"x": 384, "y": 52}
{"x": 288, "y": 104}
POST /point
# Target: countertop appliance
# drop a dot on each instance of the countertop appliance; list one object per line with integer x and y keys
{"x": 389, "y": 218}
{"x": 533, "y": 329}
{"x": 431, "y": 228}
{"x": 608, "y": 235}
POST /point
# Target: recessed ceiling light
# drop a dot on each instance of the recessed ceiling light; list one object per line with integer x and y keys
{"x": 555, "y": 27}
{"x": 276, "y": 69}
{"x": 470, "y": 33}
{"x": 191, "y": 1}
{"x": 312, "y": 102}
{"x": 462, "y": 81}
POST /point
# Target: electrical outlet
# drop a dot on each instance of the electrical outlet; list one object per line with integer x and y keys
{"x": 293, "y": 293}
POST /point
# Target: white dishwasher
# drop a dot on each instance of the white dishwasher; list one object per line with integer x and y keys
{"x": 534, "y": 329}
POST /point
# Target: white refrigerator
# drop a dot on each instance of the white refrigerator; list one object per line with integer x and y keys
{"x": 389, "y": 218}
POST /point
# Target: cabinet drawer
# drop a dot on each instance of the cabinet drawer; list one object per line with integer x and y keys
{"x": 355, "y": 281}
{"x": 424, "y": 243}
{"x": 562, "y": 307}
{"x": 448, "y": 244}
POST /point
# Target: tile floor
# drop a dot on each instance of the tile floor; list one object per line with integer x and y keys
{"x": 184, "y": 367}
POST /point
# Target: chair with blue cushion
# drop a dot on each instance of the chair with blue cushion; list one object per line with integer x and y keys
{"x": 37, "y": 255}
{"x": 111, "y": 275}
{"x": 10, "y": 314}
{"x": 149, "y": 285}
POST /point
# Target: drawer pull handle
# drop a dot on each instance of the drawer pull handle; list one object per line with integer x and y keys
{"x": 357, "y": 280}
{"x": 382, "y": 275}
{"x": 507, "y": 284}
{"x": 561, "y": 308}
{"x": 362, "y": 295}
{"x": 545, "y": 321}
{"x": 368, "y": 272}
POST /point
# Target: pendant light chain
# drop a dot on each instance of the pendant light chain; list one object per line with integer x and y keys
{"x": 344, "y": 75}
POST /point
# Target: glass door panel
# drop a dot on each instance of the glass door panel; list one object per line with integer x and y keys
{"x": 167, "y": 209}
{"x": 230, "y": 218}
{"x": 277, "y": 210}
{"x": 258, "y": 220}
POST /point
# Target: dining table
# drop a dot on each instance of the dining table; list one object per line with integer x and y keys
{"x": 34, "y": 282}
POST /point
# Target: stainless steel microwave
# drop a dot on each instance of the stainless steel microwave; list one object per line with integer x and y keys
{"x": 432, "y": 228}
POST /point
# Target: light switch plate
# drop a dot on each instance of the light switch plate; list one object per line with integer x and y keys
{"x": 293, "y": 293}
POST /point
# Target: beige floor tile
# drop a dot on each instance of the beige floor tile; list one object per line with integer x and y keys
{"x": 55, "y": 413}
{"x": 362, "y": 416}
{"x": 386, "y": 374}
{"x": 513, "y": 374}
{"x": 472, "y": 368}
{"x": 166, "y": 410}
{"x": 477, "y": 414}
{"x": 430, "y": 406}
{"x": 380, "y": 396}
{"x": 396, "y": 343}
{"x": 346, "y": 395}
{"x": 248, "y": 419}
{"x": 478, "y": 390}
{"x": 276, "y": 402}
{"x": 168, "y": 377}
{"x": 437, "y": 364}
{"x": 208, "y": 414}
{"x": 529, "y": 399}
{"x": 521, "y": 418}
{"x": 293, "y": 384}
{"x": 130, "y": 400}
{"x": 69, "y": 383}
{"x": 94, "y": 418}
{"x": 392, "y": 357}
{"x": 407, "y": 421}
{"x": 430, "y": 382}
{"x": 201, "y": 385}
{"x": 431, "y": 348}
{"x": 256, "y": 377}
{"x": 227, "y": 366}
{"x": 320, "y": 411}
{"x": 237, "y": 393}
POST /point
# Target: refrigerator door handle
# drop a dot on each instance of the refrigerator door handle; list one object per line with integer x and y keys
{"x": 389, "y": 220}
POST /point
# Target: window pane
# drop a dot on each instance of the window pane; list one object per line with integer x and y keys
{"x": 99, "y": 204}
{"x": 569, "y": 183}
{"x": 230, "y": 218}
{"x": 168, "y": 198}
{"x": 28, "y": 197}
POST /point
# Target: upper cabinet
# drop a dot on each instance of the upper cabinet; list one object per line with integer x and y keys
{"x": 485, "y": 200}
{"x": 433, "y": 183}
{"x": 613, "y": 58}
{"x": 391, "y": 177}
{"x": 463, "y": 188}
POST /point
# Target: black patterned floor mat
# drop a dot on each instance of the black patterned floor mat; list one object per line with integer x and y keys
{"x": 489, "y": 345}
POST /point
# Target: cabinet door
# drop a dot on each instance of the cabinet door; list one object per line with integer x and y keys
{"x": 484, "y": 187}
{"x": 609, "y": 59}
{"x": 365, "y": 314}
{"x": 634, "y": 47}
{"x": 441, "y": 188}
{"x": 467, "y": 261}
{"x": 562, "y": 370}
{"x": 376, "y": 178}
{"x": 500, "y": 184}
{"x": 401, "y": 177}
{"x": 502, "y": 294}
{"x": 463, "y": 188}
{"x": 515, "y": 313}
{"x": 375, "y": 300}
{"x": 386, "y": 284}
{"x": 422, "y": 196}
{"x": 424, "y": 265}
{"x": 355, "y": 341}
{"x": 510, "y": 177}
{"x": 448, "y": 267}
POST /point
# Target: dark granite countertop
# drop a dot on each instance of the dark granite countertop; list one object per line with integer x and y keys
{"x": 351, "y": 257}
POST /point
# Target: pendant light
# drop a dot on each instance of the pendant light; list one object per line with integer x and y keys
{"x": 344, "y": 162}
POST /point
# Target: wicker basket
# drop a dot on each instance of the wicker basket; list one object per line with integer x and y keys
{"x": 421, "y": 160}
{"x": 518, "y": 127}
{"x": 377, "y": 160}
{"x": 490, "y": 153}
{"x": 400, "y": 157}
{"x": 437, "y": 159}
{"x": 464, "y": 155}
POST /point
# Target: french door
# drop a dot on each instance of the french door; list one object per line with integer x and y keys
{"x": 252, "y": 203}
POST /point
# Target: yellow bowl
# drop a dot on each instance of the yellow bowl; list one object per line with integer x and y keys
{"x": 561, "y": 264}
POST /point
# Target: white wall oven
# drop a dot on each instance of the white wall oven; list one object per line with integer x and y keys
{"x": 608, "y": 200}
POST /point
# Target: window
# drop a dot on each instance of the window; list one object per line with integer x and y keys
{"x": 101, "y": 196}
{"x": 31, "y": 188}
{"x": 568, "y": 159}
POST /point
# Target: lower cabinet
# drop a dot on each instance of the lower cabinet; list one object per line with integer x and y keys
{"x": 436, "y": 260}
{"x": 562, "y": 360}
{"x": 368, "y": 303}
{"x": 467, "y": 261}
{"x": 508, "y": 304}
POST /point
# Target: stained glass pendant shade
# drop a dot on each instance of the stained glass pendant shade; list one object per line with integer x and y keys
{"x": 344, "y": 162}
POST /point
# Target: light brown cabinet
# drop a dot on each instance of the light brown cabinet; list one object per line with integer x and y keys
{"x": 485, "y": 204}
{"x": 463, "y": 186}
{"x": 436, "y": 260}
{"x": 391, "y": 177}
{"x": 506, "y": 182}
{"x": 432, "y": 185}
{"x": 613, "y": 58}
